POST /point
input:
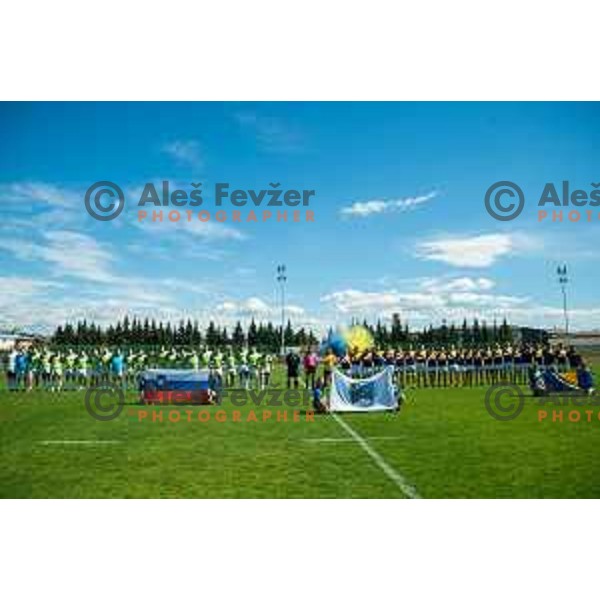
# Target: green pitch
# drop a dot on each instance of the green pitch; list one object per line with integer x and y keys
{"x": 443, "y": 443}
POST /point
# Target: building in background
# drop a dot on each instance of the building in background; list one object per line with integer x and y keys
{"x": 8, "y": 341}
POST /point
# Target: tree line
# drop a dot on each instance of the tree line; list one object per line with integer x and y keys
{"x": 267, "y": 337}
{"x": 153, "y": 334}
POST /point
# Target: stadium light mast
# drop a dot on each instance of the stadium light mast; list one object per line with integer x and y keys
{"x": 563, "y": 280}
{"x": 281, "y": 279}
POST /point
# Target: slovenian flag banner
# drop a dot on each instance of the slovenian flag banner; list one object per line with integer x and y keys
{"x": 176, "y": 386}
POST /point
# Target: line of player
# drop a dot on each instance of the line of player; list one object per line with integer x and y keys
{"x": 54, "y": 369}
{"x": 57, "y": 369}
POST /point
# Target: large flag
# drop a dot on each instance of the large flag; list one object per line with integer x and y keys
{"x": 557, "y": 382}
{"x": 176, "y": 386}
{"x": 363, "y": 395}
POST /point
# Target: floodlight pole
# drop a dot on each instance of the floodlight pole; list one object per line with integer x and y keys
{"x": 563, "y": 280}
{"x": 281, "y": 279}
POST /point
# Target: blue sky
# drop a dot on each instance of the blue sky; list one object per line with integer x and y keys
{"x": 400, "y": 224}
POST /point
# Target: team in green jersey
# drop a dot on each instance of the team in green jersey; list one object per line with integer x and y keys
{"x": 60, "y": 369}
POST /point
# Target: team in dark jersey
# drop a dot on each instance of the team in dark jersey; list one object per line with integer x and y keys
{"x": 459, "y": 367}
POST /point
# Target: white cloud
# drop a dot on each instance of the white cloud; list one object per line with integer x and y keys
{"x": 458, "y": 284}
{"x": 49, "y": 207}
{"x": 69, "y": 254}
{"x": 249, "y": 307}
{"x": 272, "y": 133}
{"x": 212, "y": 230}
{"x": 78, "y": 255}
{"x": 386, "y": 302}
{"x": 477, "y": 251}
{"x": 43, "y": 304}
{"x": 25, "y": 194}
{"x": 206, "y": 230}
{"x": 293, "y": 310}
{"x": 23, "y": 301}
{"x": 471, "y": 299}
{"x": 188, "y": 152}
{"x": 375, "y": 207}
{"x": 348, "y": 301}
{"x": 24, "y": 286}
{"x": 430, "y": 300}
{"x": 37, "y": 204}
{"x": 256, "y": 307}
{"x": 177, "y": 285}
{"x": 245, "y": 271}
{"x": 227, "y": 307}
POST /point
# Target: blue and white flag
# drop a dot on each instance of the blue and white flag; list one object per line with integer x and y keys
{"x": 375, "y": 393}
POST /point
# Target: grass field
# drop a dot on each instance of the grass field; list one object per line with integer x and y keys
{"x": 443, "y": 444}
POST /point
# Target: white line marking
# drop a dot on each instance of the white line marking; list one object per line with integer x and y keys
{"x": 406, "y": 488}
{"x": 345, "y": 439}
{"x": 82, "y": 442}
